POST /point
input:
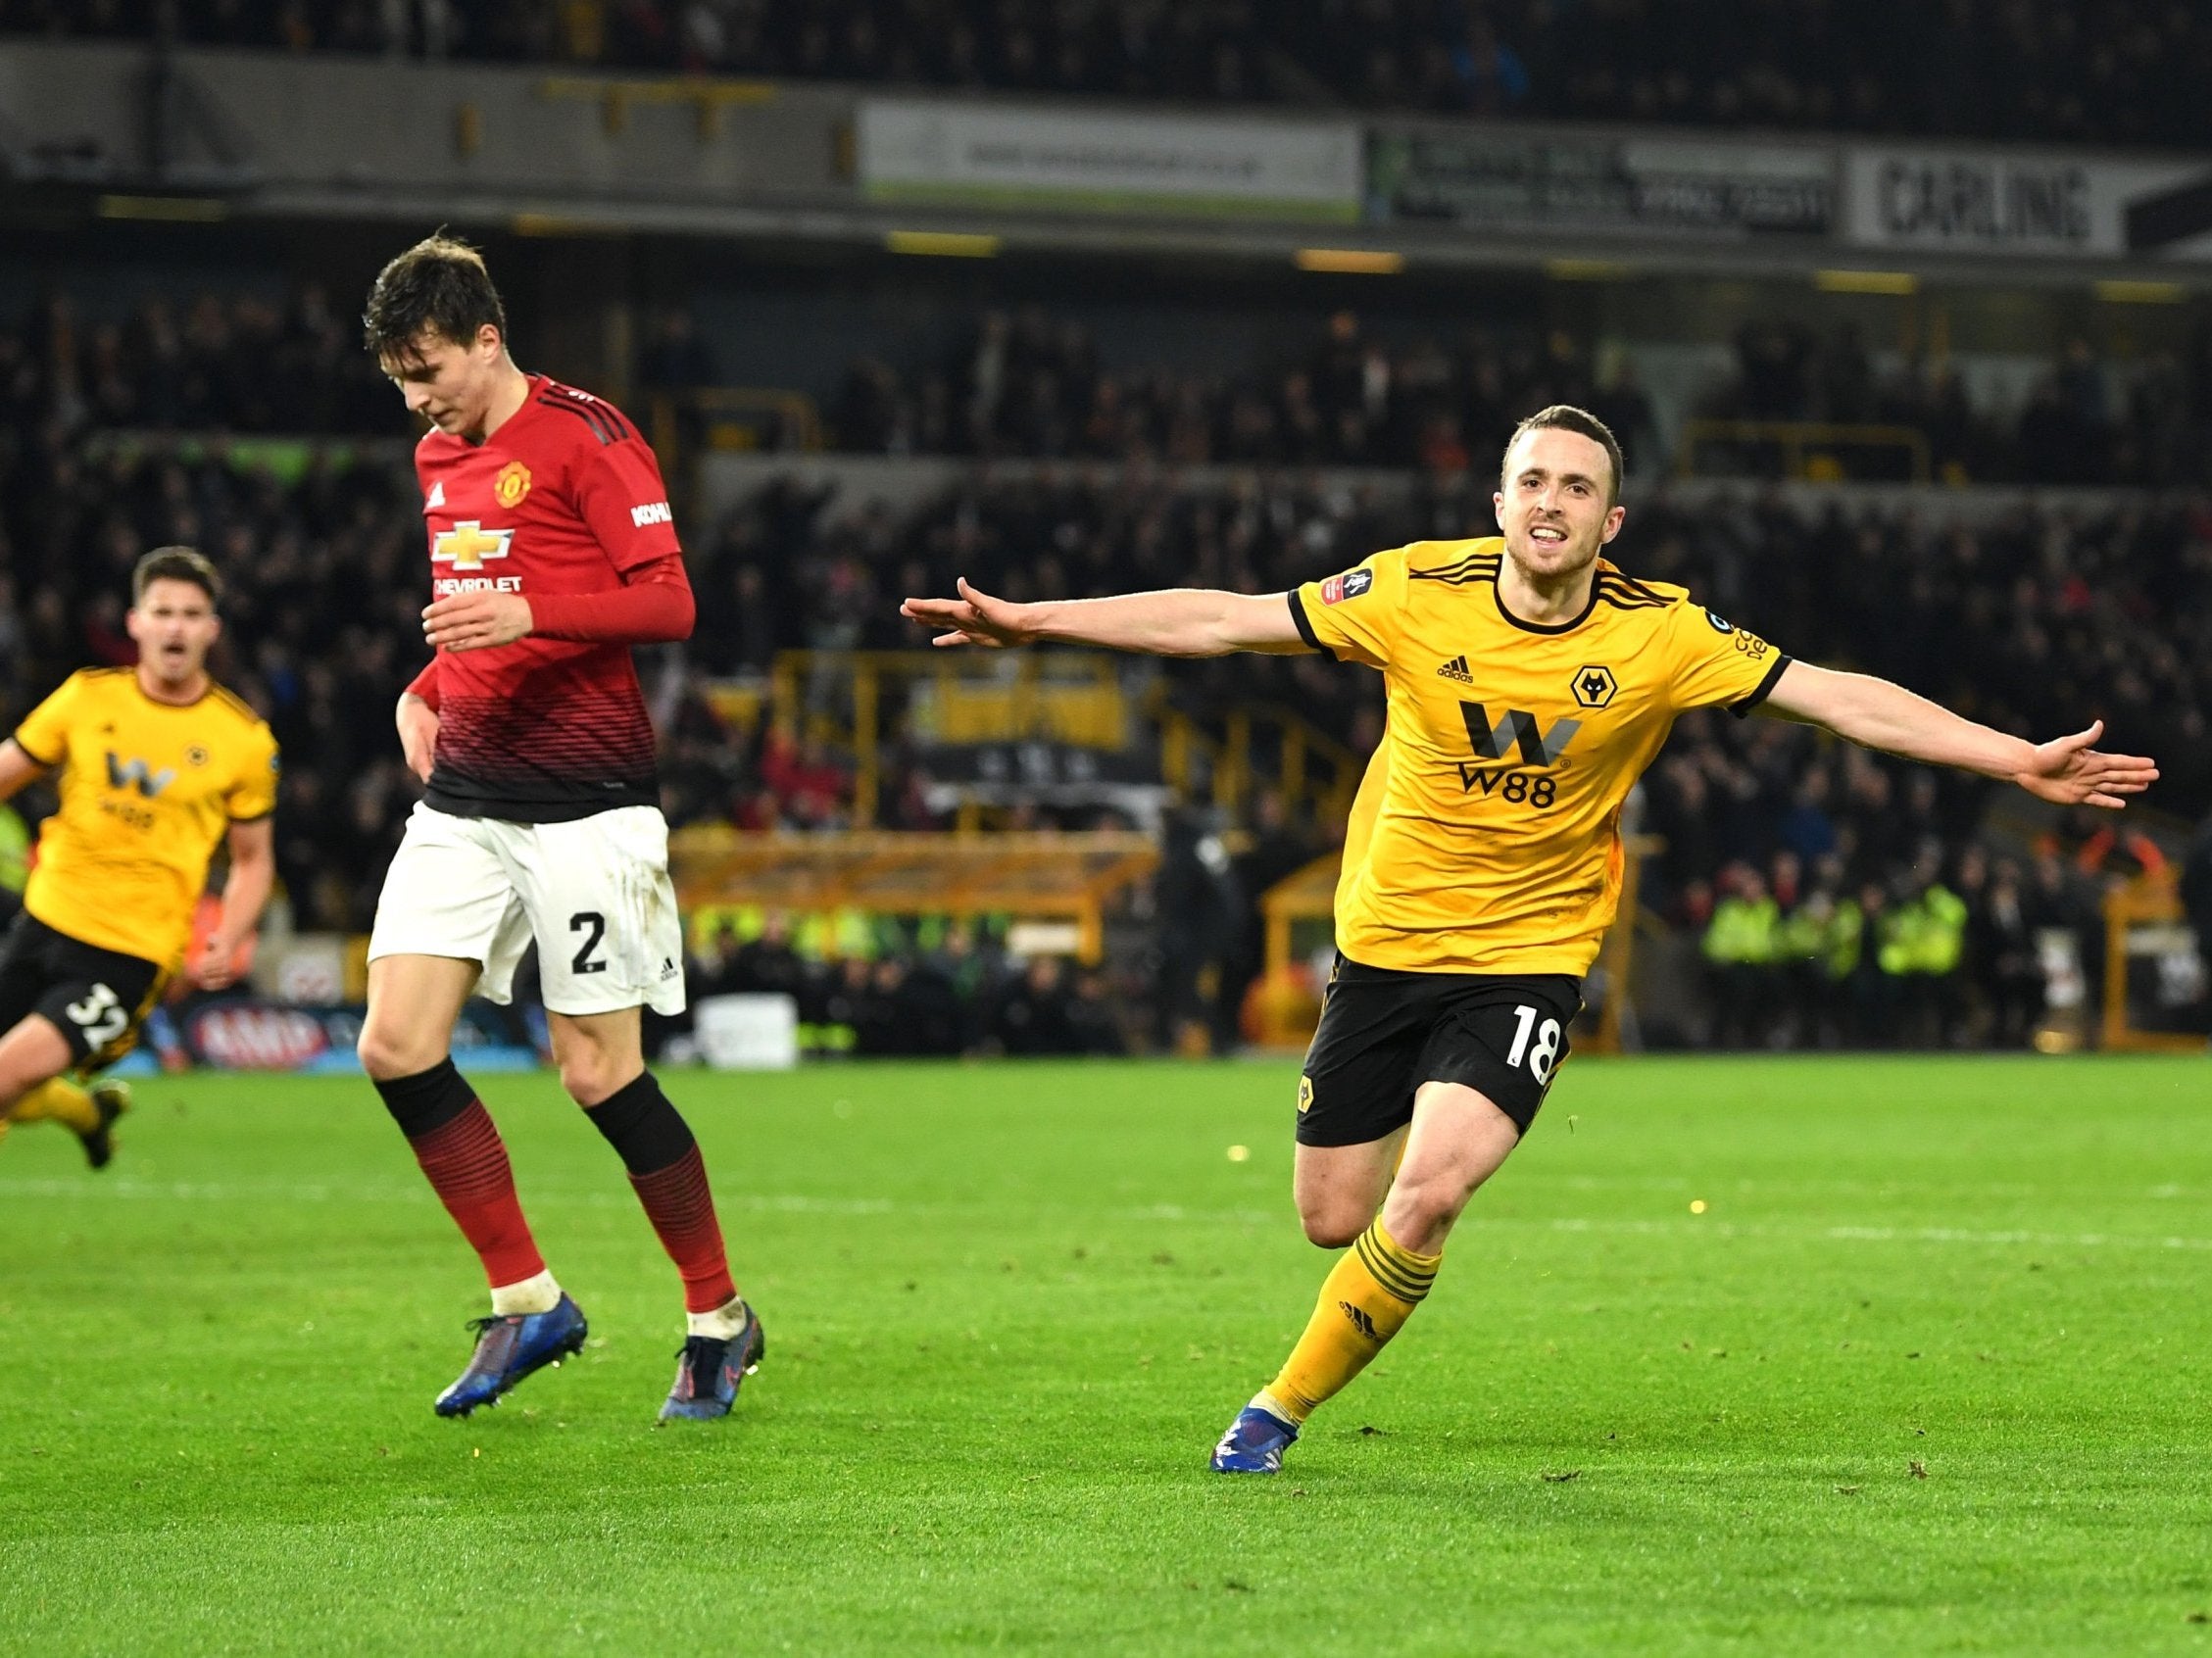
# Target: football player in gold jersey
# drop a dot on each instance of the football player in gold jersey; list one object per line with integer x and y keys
{"x": 1530, "y": 682}
{"x": 157, "y": 765}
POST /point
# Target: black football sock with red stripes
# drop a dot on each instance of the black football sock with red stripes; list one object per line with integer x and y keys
{"x": 454, "y": 1139}
{"x": 657, "y": 1146}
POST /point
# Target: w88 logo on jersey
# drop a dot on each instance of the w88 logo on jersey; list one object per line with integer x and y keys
{"x": 1537, "y": 790}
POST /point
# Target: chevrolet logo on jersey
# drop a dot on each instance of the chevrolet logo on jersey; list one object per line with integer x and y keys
{"x": 137, "y": 774}
{"x": 1517, "y": 729}
{"x": 468, "y": 544}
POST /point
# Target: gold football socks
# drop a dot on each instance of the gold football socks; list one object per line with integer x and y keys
{"x": 56, "y": 1101}
{"x": 1368, "y": 1297}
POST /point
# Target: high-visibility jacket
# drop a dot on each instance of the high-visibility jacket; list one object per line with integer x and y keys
{"x": 1840, "y": 951}
{"x": 1927, "y": 935}
{"x": 1741, "y": 932}
{"x": 15, "y": 851}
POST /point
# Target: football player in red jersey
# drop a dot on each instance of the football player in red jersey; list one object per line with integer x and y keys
{"x": 552, "y": 552}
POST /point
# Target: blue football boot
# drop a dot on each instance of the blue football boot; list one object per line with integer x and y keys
{"x": 1255, "y": 1443}
{"x": 511, "y": 1347}
{"x": 709, "y": 1371}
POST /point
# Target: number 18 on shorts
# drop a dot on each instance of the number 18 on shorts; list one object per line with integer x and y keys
{"x": 593, "y": 893}
{"x": 1384, "y": 1033}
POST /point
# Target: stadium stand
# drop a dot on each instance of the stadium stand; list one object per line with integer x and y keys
{"x": 2019, "y": 615}
{"x": 1029, "y": 383}
{"x": 2118, "y": 71}
{"x": 222, "y": 362}
{"x": 1115, "y": 438}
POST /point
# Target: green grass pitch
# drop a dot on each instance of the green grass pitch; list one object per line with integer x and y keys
{"x": 1928, "y": 1374}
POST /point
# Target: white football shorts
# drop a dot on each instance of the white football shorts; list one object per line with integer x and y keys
{"x": 593, "y": 893}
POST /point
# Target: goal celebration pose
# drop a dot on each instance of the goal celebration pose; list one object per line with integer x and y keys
{"x": 159, "y": 765}
{"x": 1530, "y": 682}
{"x": 552, "y": 552}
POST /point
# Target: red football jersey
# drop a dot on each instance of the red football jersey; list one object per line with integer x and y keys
{"x": 564, "y": 497}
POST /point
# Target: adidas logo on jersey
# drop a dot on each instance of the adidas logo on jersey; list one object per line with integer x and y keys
{"x": 1456, "y": 669}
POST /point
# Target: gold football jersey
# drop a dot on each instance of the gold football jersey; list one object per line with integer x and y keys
{"x": 148, "y": 790}
{"x": 1485, "y": 834}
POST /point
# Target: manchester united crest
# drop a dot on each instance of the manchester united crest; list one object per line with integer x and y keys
{"x": 512, "y": 484}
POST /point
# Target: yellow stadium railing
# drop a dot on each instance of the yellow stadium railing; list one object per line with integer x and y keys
{"x": 744, "y": 419}
{"x": 842, "y": 698}
{"x": 1809, "y": 449}
{"x": 1037, "y": 877}
{"x": 707, "y": 98}
{"x": 839, "y": 698}
{"x": 1218, "y": 760}
{"x": 2142, "y": 916}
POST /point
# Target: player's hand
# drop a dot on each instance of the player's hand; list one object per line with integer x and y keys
{"x": 2068, "y": 771}
{"x": 218, "y": 965}
{"x": 973, "y": 619}
{"x": 419, "y": 736}
{"x": 475, "y": 621}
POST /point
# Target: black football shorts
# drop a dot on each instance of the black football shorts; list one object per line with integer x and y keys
{"x": 97, "y": 997}
{"x": 1384, "y": 1033}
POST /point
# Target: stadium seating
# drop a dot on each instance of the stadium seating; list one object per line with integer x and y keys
{"x": 1029, "y": 382}
{"x": 1983, "y": 71}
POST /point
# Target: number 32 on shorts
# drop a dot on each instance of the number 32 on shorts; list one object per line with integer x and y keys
{"x": 101, "y": 1016}
{"x": 1540, "y": 1055}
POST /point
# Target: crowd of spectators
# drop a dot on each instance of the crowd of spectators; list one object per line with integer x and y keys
{"x": 2034, "y": 620}
{"x": 2116, "y": 71}
{"x": 2081, "y": 422}
{"x": 1841, "y": 898}
{"x": 1030, "y": 384}
{"x": 224, "y": 362}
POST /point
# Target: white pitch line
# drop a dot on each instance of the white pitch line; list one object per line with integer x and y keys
{"x": 1863, "y": 1234}
{"x": 204, "y": 1192}
{"x": 322, "y": 1191}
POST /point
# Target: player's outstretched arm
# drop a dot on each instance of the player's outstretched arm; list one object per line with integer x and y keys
{"x": 17, "y": 767}
{"x": 1178, "y": 621}
{"x": 1877, "y": 715}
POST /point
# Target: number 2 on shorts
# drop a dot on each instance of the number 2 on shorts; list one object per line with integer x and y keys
{"x": 593, "y": 926}
{"x": 1546, "y": 1047}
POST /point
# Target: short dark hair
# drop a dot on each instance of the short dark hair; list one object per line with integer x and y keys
{"x": 1566, "y": 417}
{"x": 439, "y": 285}
{"x": 175, "y": 564}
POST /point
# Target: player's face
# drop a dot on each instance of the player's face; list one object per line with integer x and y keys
{"x": 1554, "y": 501}
{"x": 448, "y": 383}
{"x": 175, "y": 626}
